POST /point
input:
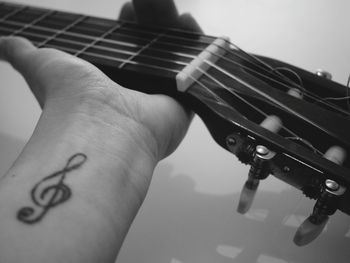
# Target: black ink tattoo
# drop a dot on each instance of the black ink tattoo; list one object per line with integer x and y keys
{"x": 50, "y": 192}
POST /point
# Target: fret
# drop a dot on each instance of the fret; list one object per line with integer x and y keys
{"x": 14, "y": 12}
{"x": 4, "y": 10}
{"x": 121, "y": 39}
{"x": 59, "y": 20}
{"x": 91, "y": 56}
{"x": 173, "y": 33}
{"x": 8, "y": 29}
{"x": 134, "y": 65}
{"x": 142, "y": 49}
{"x": 99, "y": 23}
{"x": 172, "y": 47}
{"x": 79, "y": 37}
{"x": 152, "y": 58}
{"x": 43, "y": 16}
{"x": 78, "y": 20}
{"x": 115, "y": 27}
{"x": 32, "y": 36}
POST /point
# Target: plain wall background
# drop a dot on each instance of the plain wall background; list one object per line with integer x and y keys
{"x": 189, "y": 215}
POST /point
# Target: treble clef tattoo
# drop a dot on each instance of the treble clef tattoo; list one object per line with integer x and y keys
{"x": 50, "y": 192}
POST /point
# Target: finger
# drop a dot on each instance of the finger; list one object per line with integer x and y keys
{"x": 15, "y": 50}
{"x": 187, "y": 22}
{"x": 156, "y": 12}
{"x": 127, "y": 12}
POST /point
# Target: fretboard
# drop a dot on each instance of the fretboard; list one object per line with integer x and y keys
{"x": 120, "y": 48}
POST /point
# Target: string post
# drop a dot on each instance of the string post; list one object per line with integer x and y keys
{"x": 323, "y": 74}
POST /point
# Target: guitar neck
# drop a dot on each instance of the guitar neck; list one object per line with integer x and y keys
{"x": 138, "y": 57}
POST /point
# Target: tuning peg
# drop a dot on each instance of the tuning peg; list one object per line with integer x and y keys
{"x": 247, "y": 195}
{"x": 310, "y": 229}
{"x": 259, "y": 170}
{"x": 324, "y": 74}
{"x": 325, "y": 206}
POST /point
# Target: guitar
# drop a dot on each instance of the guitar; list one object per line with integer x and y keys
{"x": 277, "y": 118}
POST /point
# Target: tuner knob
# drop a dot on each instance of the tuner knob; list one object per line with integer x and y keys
{"x": 258, "y": 171}
{"x": 326, "y": 204}
{"x": 324, "y": 74}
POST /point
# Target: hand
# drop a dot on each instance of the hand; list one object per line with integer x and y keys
{"x": 64, "y": 82}
{"x": 121, "y": 134}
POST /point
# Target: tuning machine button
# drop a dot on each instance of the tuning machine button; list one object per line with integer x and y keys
{"x": 324, "y": 74}
{"x": 259, "y": 170}
{"x": 326, "y": 203}
{"x": 325, "y": 206}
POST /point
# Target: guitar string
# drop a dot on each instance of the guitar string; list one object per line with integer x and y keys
{"x": 221, "y": 101}
{"x": 247, "y": 102}
{"x": 200, "y": 41}
{"x": 306, "y": 92}
{"x": 150, "y": 48}
{"x": 316, "y": 99}
{"x": 151, "y": 30}
{"x": 271, "y": 69}
{"x": 296, "y": 137}
{"x": 346, "y": 97}
{"x": 167, "y": 43}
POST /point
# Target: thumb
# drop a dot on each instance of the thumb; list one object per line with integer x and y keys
{"x": 16, "y": 50}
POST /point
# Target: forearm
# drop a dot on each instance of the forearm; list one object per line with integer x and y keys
{"x": 84, "y": 191}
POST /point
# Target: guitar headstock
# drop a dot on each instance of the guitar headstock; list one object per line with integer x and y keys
{"x": 284, "y": 121}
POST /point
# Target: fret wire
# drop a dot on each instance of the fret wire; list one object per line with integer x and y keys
{"x": 71, "y": 50}
{"x": 175, "y": 37}
{"x": 173, "y": 29}
{"x": 58, "y": 32}
{"x": 117, "y": 51}
{"x": 142, "y": 49}
{"x": 156, "y": 27}
{"x": 148, "y": 31}
{"x": 169, "y": 35}
{"x": 14, "y": 12}
{"x": 48, "y": 13}
{"x": 111, "y": 41}
{"x": 73, "y": 34}
{"x": 115, "y": 27}
{"x": 180, "y": 54}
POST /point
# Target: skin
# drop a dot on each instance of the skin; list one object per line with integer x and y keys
{"x": 122, "y": 135}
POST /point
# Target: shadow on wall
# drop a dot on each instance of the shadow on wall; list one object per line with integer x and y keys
{"x": 179, "y": 225}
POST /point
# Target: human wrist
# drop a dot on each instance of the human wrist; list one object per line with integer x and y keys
{"x": 106, "y": 191}
{"x": 108, "y": 111}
